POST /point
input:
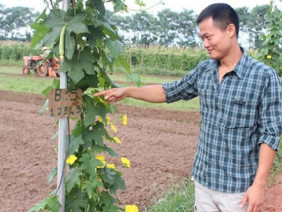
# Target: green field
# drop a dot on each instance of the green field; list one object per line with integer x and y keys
{"x": 11, "y": 79}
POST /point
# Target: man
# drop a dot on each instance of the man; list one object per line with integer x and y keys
{"x": 241, "y": 117}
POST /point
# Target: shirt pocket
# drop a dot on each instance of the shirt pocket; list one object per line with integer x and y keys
{"x": 240, "y": 113}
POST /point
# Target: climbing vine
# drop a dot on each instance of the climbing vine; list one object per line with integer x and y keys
{"x": 271, "y": 48}
{"x": 88, "y": 46}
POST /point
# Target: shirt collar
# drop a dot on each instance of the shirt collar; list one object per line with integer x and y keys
{"x": 239, "y": 69}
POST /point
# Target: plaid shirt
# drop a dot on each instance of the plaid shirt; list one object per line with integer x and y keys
{"x": 237, "y": 115}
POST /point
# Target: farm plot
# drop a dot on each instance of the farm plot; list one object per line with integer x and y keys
{"x": 160, "y": 144}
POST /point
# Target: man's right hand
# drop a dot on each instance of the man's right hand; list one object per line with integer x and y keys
{"x": 112, "y": 95}
{"x": 150, "y": 93}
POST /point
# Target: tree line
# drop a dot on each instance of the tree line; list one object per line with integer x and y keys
{"x": 14, "y": 23}
{"x": 179, "y": 28}
{"x": 166, "y": 28}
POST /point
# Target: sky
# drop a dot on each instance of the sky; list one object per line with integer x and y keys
{"x": 174, "y": 5}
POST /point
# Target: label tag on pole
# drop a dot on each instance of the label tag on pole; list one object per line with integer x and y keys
{"x": 65, "y": 104}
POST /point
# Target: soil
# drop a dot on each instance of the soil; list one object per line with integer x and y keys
{"x": 160, "y": 144}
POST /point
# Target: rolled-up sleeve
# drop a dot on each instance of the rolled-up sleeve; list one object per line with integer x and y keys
{"x": 185, "y": 88}
{"x": 270, "y": 112}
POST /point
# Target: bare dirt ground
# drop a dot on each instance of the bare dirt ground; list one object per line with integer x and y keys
{"x": 160, "y": 144}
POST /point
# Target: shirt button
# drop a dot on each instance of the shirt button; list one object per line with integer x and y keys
{"x": 214, "y": 127}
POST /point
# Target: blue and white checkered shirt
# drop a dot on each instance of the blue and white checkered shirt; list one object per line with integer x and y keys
{"x": 237, "y": 115}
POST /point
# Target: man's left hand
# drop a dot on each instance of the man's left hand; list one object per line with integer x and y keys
{"x": 255, "y": 197}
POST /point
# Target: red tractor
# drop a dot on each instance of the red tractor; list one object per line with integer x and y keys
{"x": 42, "y": 68}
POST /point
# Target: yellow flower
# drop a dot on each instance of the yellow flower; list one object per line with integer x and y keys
{"x": 108, "y": 120}
{"x": 71, "y": 159}
{"x": 47, "y": 108}
{"x": 268, "y": 57}
{"x": 124, "y": 120}
{"x": 102, "y": 159}
{"x": 111, "y": 166}
{"x": 113, "y": 127}
{"x": 100, "y": 119}
{"x": 125, "y": 162}
{"x": 131, "y": 208}
{"x": 117, "y": 140}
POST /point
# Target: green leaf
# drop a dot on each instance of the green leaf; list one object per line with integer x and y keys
{"x": 86, "y": 61}
{"x": 65, "y": 66}
{"x": 50, "y": 203}
{"x": 107, "y": 202}
{"x": 114, "y": 180}
{"x": 111, "y": 152}
{"x": 75, "y": 24}
{"x": 55, "y": 18}
{"x": 77, "y": 67}
{"x": 40, "y": 29}
{"x": 94, "y": 136}
{"x": 89, "y": 163}
{"x": 115, "y": 47}
{"x": 107, "y": 28}
{"x": 46, "y": 91}
{"x": 76, "y": 73}
{"x": 88, "y": 81}
{"x": 75, "y": 143}
{"x": 53, "y": 205}
{"x": 52, "y": 175}
{"x": 96, "y": 35}
{"x": 73, "y": 179}
{"x": 76, "y": 201}
{"x": 79, "y": 128}
{"x": 38, "y": 207}
{"x": 100, "y": 6}
{"x": 120, "y": 61}
{"x": 55, "y": 22}
{"x": 90, "y": 187}
{"x": 40, "y": 32}
{"x": 119, "y": 5}
{"x": 92, "y": 112}
{"x": 140, "y": 3}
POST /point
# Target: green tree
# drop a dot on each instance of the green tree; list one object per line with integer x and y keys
{"x": 166, "y": 28}
{"x": 13, "y": 19}
{"x": 243, "y": 13}
{"x": 143, "y": 27}
{"x": 257, "y": 24}
{"x": 186, "y": 28}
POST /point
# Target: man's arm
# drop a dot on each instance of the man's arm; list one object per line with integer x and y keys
{"x": 255, "y": 194}
{"x": 151, "y": 93}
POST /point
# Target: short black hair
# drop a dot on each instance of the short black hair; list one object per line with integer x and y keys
{"x": 222, "y": 15}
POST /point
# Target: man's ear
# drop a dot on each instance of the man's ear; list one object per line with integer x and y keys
{"x": 231, "y": 30}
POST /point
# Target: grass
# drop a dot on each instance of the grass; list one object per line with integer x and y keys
{"x": 28, "y": 84}
{"x": 32, "y": 84}
{"x": 181, "y": 198}
{"x": 11, "y": 62}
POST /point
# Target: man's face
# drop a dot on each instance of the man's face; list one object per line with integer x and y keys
{"x": 216, "y": 41}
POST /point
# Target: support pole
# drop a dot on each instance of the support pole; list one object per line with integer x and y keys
{"x": 62, "y": 141}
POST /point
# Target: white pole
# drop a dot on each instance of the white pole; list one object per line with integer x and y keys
{"x": 63, "y": 125}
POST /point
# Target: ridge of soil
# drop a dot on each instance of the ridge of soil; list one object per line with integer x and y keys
{"x": 160, "y": 144}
